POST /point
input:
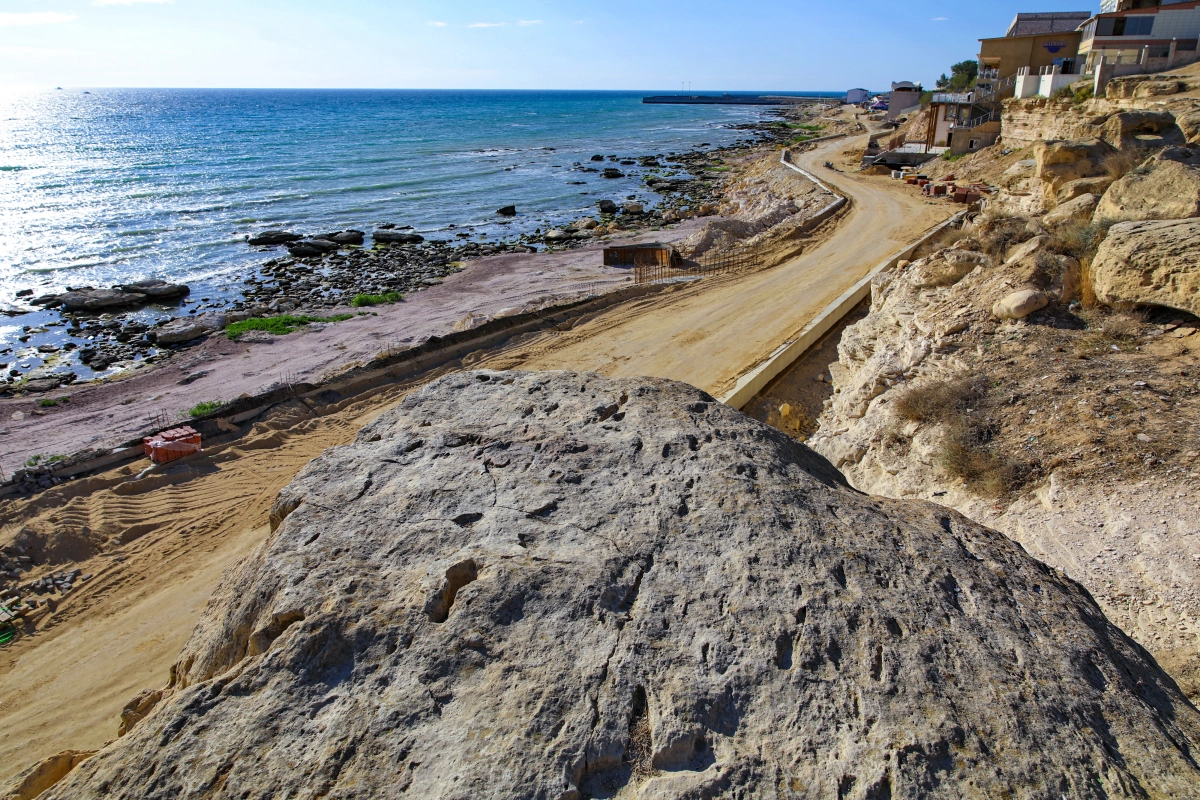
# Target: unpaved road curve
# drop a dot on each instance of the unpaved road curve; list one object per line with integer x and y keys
{"x": 170, "y": 537}
{"x": 709, "y": 336}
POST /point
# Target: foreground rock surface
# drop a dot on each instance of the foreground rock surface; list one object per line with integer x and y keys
{"x": 1150, "y": 263}
{"x": 566, "y": 586}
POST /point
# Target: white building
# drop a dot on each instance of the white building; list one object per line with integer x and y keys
{"x": 857, "y": 96}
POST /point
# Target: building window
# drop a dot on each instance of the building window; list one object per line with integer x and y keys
{"x": 1125, "y": 26}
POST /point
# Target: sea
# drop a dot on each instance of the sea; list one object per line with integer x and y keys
{"x": 106, "y": 186}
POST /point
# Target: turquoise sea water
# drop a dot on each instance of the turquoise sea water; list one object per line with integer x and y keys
{"x": 117, "y": 185}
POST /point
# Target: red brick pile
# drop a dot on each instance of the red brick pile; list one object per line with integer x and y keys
{"x": 171, "y": 445}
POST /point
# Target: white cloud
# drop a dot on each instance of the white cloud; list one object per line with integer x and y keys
{"x": 487, "y": 24}
{"x": 940, "y": 19}
{"x": 128, "y": 2}
{"x": 527, "y": 22}
{"x": 35, "y": 18}
{"x": 434, "y": 24}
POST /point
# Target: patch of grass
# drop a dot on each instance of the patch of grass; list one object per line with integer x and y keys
{"x": 1121, "y": 163}
{"x": 361, "y": 300}
{"x": 1078, "y": 240}
{"x": 1087, "y": 287}
{"x": 936, "y": 402}
{"x": 44, "y": 461}
{"x": 279, "y": 326}
{"x": 202, "y": 409}
{"x": 998, "y": 234}
{"x": 965, "y": 453}
{"x": 947, "y": 157}
{"x": 47, "y": 403}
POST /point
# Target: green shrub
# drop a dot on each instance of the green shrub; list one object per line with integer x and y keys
{"x": 48, "y": 403}
{"x": 279, "y": 326}
{"x": 376, "y": 299}
{"x": 205, "y": 408}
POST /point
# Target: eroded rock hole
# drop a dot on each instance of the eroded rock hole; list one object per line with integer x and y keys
{"x": 640, "y": 747}
{"x": 783, "y": 651}
{"x": 839, "y": 575}
{"x": 457, "y": 577}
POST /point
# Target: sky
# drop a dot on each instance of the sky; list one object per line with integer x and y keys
{"x": 713, "y": 45}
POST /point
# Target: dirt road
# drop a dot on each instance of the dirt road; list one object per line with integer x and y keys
{"x": 710, "y": 335}
{"x": 157, "y": 545}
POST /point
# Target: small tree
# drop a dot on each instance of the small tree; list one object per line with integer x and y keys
{"x": 963, "y": 75}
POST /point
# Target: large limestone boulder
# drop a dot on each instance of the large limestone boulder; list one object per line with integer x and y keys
{"x": 946, "y": 267}
{"x": 1141, "y": 129}
{"x": 1189, "y": 125}
{"x": 1077, "y": 211}
{"x": 550, "y": 585}
{"x": 1150, "y": 263}
{"x": 1164, "y": 189}
{"x": 1062, "y": 163}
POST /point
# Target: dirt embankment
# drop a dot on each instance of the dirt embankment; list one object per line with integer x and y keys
{"x": 1039, "y": 370}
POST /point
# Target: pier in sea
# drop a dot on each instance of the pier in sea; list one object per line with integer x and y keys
{"x": 735, "y": 99}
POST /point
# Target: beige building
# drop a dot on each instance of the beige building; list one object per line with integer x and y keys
{"x": 1035, "y": 43}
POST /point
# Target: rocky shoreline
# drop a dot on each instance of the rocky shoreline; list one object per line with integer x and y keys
{"x": 89, "y": 333}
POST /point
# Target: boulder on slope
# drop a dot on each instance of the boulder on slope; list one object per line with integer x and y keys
{"x": 1150, "y": 263}
{"x": 1164, "y": 189}
{"x": 551, "y": 585}
{"x": 1079, "y": 210}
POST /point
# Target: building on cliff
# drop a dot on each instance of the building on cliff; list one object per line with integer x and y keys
{"x": 1151, "y": 35}
{"x": 1034, "y": 42}
{"x": 960, "y": 123}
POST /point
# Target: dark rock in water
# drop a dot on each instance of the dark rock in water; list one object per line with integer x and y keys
{"x": 48, "y": 300}
{"x": 550, "y": 585}
{"x": 597, "y": 158}
{"x": 25, "y": 293}
{"x": 346, "y": 237}
{"x": 157, "y": 289}
{"x": 395, "y": 237}
{"x": 613, "y": 172}
{"x": 608, "y": 207}
{"x": 100, "y": 299}
{"x": 507, "y": 211}
{"x": 311, "y": 247}
{"x": 273, "y": 238}
{"x": 86, "y": 354}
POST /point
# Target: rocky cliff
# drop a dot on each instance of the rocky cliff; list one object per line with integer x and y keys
{"x": 564, "y": 586}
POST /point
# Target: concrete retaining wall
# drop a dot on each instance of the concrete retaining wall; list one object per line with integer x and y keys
{"x": 753, "y": 382}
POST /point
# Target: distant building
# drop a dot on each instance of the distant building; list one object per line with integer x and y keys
{"x": 1154, "y": 34}
{"x": 857, "y": 96}
{"x": 905, "y": 97}
{"x": 1034, "y": 43}
{"x": 958, "y": 123}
